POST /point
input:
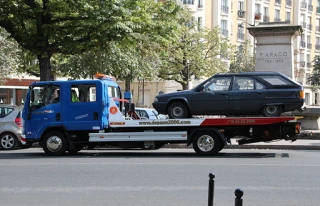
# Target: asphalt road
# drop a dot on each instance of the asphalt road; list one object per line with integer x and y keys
{"x": 159, "y": 177}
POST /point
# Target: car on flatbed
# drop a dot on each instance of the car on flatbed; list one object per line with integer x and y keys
{"x": 249, "y": 93}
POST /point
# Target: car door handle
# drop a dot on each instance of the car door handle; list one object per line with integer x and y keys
{"x": 259, "y": 92}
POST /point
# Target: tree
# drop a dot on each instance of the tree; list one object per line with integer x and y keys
{"x": 243, "y": 60}
{"x": 196, "y": 52}
{"x": 315, "y": 77}
{"x": 50, "y": 27}
{"x": 9, "y": 51}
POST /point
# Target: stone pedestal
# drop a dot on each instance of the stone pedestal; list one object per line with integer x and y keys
{"x": 274, "y": 47}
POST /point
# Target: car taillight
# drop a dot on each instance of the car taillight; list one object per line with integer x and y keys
{"x": 18, "y": 121}
{"x": 301, "y": 94}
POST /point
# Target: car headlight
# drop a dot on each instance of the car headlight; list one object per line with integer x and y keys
{"x": 155, "y": 99}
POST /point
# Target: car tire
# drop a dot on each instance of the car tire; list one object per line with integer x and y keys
{"x": 271, "y": 110}
{"x": 177, "y": 110}
{"x": 206, "y": 143}
{"x": 8, "y": 141}
{"x": 54, "y": 144}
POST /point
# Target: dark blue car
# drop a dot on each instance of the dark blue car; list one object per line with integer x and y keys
{"x": 249, "y": 93}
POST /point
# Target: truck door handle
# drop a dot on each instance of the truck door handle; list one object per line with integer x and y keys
{"x": 95, "y": 115}
{"x": 58, "y": 116}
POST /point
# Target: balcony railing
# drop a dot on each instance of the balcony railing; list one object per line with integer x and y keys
{"x": 188, "y": 1}
{"x": 309, "y": 65}
{"x": 289, "y": 3}
{"x": 310, "y": 7}
{"x": 277, "y": 19}
{"x": 309, "y": 27}
{"x": 303, "y": 44}
{"x": 241, "y": 13}
{"x": 240, "y": 36}
{"x": 266, "y": 18}
{"x": 277, "y": 1}
{"x": 304, "y": 24}
{"x": 225, "y": 9}
{"x": 309, "y": 46}
{"x": 317, "y": 46}
{"x": 224, "y": 33}
{"x": 302, "y": 63}
{"x": 303, "y": 5}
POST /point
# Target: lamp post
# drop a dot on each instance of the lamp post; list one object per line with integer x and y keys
{"x": 188, "y": 74}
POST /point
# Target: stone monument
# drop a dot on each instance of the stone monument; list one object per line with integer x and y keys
{"x": 274, "y": 47}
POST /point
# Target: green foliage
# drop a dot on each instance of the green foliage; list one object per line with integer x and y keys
{"x": 9, "y": 51}
{"x": 194, "y": 52}
{"x": 315, "y": 77}
{"x": 243, "y": 60}
{"x": 49, "y": 27}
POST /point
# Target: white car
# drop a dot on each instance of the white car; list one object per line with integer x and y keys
{"x": 147, "y": 113}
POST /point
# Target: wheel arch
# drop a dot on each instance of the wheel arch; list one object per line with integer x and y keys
{"x": 193, "y": 132}
{"x": 182, "y": 100}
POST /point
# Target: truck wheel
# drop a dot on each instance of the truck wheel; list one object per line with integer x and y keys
{"x": 271, "y": 110}
{"x": 8, "y": 141}
{"x": 206, "y": 143}
{"x": 178, "y": 110}
{"x": 54, "y": 144}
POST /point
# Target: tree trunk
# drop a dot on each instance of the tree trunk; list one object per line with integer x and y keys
{"x": 127, "y": 83}
{"x": 45, "y": 68}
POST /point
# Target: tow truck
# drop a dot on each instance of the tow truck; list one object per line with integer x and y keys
{"x": 95, "y": 117}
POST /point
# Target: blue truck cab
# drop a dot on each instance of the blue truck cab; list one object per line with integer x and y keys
{"x": 71, "y": 107}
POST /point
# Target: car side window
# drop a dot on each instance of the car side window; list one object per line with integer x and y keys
{"x": 5, "y": 111}
{"x": 246, "y": 83}
{"x": 144, "y": 114}
{"x": 218, "y": 84}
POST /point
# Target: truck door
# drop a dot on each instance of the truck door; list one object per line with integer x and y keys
{"x": 83, "y": 111}
{"x": 43, "y": 110}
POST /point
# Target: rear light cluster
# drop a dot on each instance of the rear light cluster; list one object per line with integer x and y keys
{"x": 18, "y": 121}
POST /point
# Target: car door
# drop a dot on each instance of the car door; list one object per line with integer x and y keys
{"x": 213, "y": 98}
{"x": 246, "y": 95}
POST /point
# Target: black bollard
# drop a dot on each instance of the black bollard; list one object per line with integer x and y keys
{"x": 211, "y": 189}
{"x": 238, "y": 200}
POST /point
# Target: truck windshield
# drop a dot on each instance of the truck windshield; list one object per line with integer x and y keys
{"x": 44, "y": 95}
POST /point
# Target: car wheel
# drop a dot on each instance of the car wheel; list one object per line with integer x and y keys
{"x": 271, "y": 110}
{"x": 206, "y": 143}
{"x": 54, "y": 144}
{"x": 8, "y": 141}
{"x": 177, "y": 110}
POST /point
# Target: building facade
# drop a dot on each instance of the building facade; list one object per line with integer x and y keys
{"x": 233, "y": 17}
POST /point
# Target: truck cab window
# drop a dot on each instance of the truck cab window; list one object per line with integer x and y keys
{"x": 44, "y": 95}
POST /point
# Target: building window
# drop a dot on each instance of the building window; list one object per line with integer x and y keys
{"x": 224, "y": 28}
{"x": 241, "y": 5}
{"x": 277, "y": 15}
{"x": 199, "y": 23}
{"x": 288, "y": 16}
{"x": 257, "y": 7}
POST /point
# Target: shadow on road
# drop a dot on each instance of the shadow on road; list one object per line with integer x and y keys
{"x": 138, "y": 153}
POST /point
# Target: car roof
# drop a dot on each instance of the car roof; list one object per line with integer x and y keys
{"x": 250, "y": 73}
{"x": 10, "y": 106}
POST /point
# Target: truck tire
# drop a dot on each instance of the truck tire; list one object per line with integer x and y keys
{"x": 206, "y": 143}
{"x": 54, "y": 143}
{"x": 177, "y": 110}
